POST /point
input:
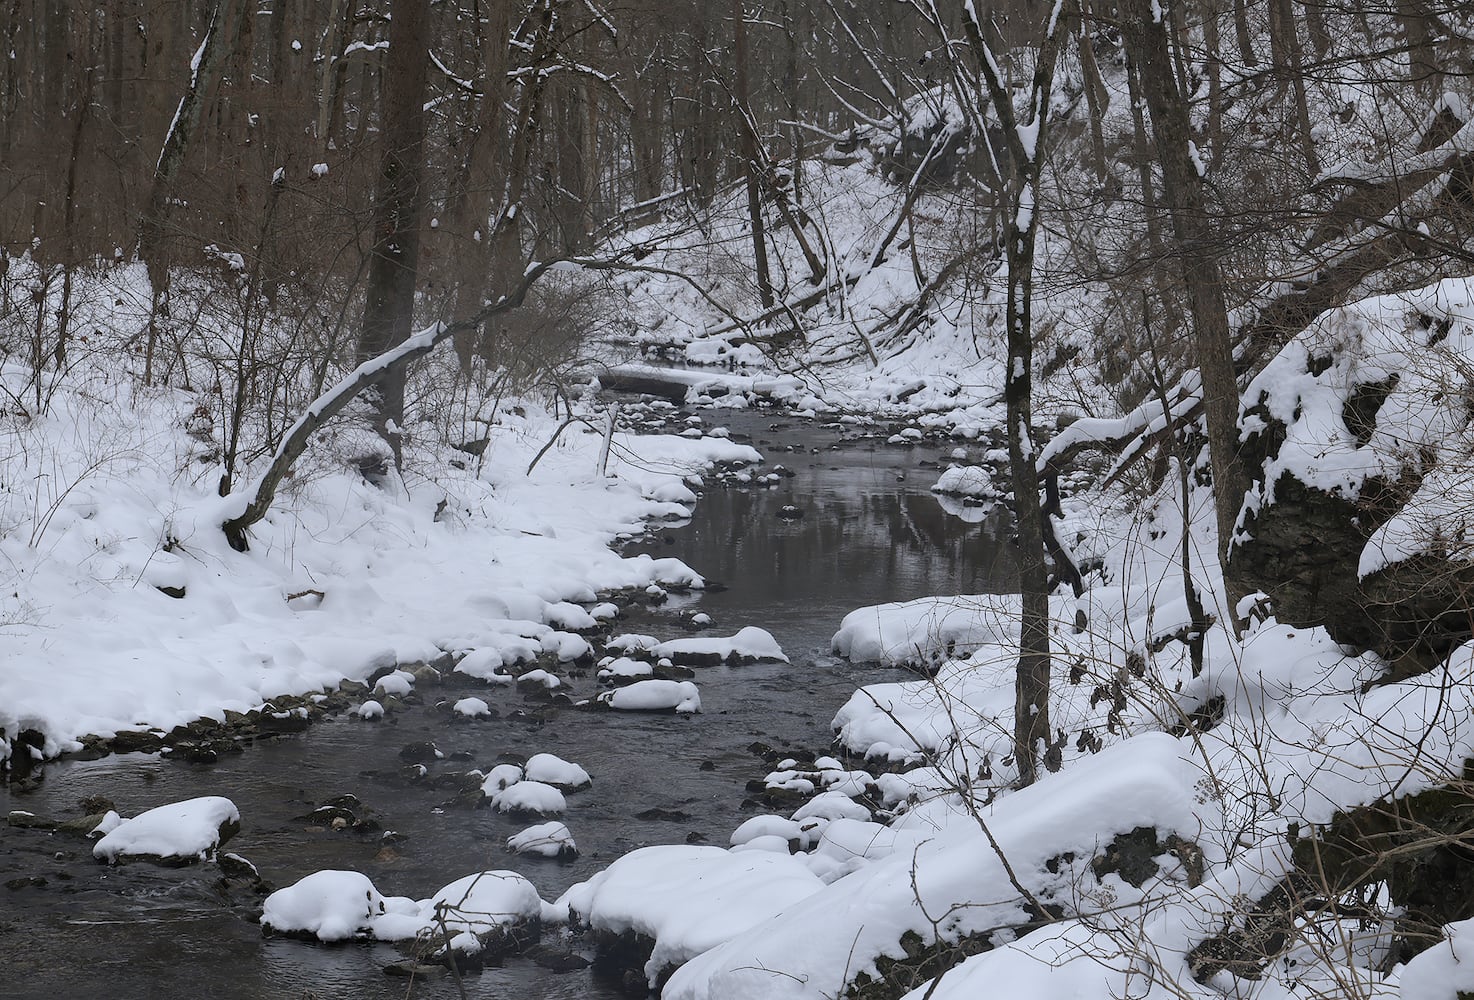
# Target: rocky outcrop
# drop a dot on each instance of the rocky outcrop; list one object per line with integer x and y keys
{"x": 1360, "y": 437}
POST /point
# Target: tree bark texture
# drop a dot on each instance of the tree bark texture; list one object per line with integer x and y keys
{"x": 393, "y": 262}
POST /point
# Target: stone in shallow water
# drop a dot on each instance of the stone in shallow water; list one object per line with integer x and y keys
{"x": 178, "y": 832}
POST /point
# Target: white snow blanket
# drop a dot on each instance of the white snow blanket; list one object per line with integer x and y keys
{"x": 689, "y": 899}
{"x": 1142, "y": 782}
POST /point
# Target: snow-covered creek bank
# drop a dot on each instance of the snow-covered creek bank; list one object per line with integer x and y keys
{"x": 870, "y": 532}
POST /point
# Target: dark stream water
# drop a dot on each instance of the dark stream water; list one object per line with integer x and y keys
{"x": 871, "y": 532}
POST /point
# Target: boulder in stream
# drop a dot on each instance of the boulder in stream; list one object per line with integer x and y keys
{"x": 177, "y": 833}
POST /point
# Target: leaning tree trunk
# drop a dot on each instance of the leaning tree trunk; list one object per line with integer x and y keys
{"x": 390, "y": 305}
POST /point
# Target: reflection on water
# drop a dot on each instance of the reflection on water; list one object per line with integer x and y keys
{"x": 870, "y": 533}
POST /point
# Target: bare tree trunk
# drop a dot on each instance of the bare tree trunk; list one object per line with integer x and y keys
{"x": 205, "y": 68}
{"x": 83, "y": 111}
{"x": 1198, "y": 250}
{"x": 1316, "y": 27}
{"x": 1032, "y": 732}
{"x": 393, "y": 262}
{"x": 481, "y": 180}
{"x": 750, "y": 155}
{"x": 1242, "y": 33}
{"x": 1097, "y": 98}
{"x": 1296, "y": 54}
{"x": 1422, "y": 62}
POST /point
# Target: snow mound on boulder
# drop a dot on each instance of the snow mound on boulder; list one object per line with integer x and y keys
{"x": 749, "y": 645}
{"x": 654, "y": 696}
{"x": 927, "y": 629}
{"x": 553, "y": 770}
{"x": 192, "y": 829}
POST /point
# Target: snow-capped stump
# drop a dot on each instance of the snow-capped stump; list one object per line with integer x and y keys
{"x": 681, "y": 697}
{"x": 750, "y": 645}
{"x": 472, "y": 708}
{"x": 548, "y": 840}
{"x": 647, "y": 897}
{"x": 531, "y": 798}
{"x": 972, "y": 482}
{"x": 369, "y": 711}
{"x": 488, "y": 914}
{"x": 177, "y": 833}
{"x": 555, "y": 771}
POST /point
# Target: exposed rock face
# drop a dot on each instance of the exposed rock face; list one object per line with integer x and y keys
{"x": 1360, "y": 436}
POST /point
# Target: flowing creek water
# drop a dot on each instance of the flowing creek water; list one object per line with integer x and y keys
{"x": 870, "y": 532}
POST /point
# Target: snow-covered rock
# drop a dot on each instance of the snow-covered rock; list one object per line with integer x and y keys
{"x": 471, "y": 708}
{"x": 550, "y": 840}
{"x": 483, "y": 902}
{"x": 328, "y": 905}
{"x": 180, "y": 831}
{"x": 966, "y": 481}
{"x": 749, "y": 645}
{"x": 927, "y": 629}
{"x": 532, "y": 797}
{"x": 654, "y": 696}
{"x": 553, "y": 770}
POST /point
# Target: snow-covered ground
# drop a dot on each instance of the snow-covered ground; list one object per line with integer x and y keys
{"x": 106, "y": 500}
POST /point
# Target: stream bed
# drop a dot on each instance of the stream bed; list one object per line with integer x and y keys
{"x": 870, "y": 532}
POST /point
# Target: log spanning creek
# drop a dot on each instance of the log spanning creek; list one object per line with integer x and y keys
{"x": 862, "y": 528}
